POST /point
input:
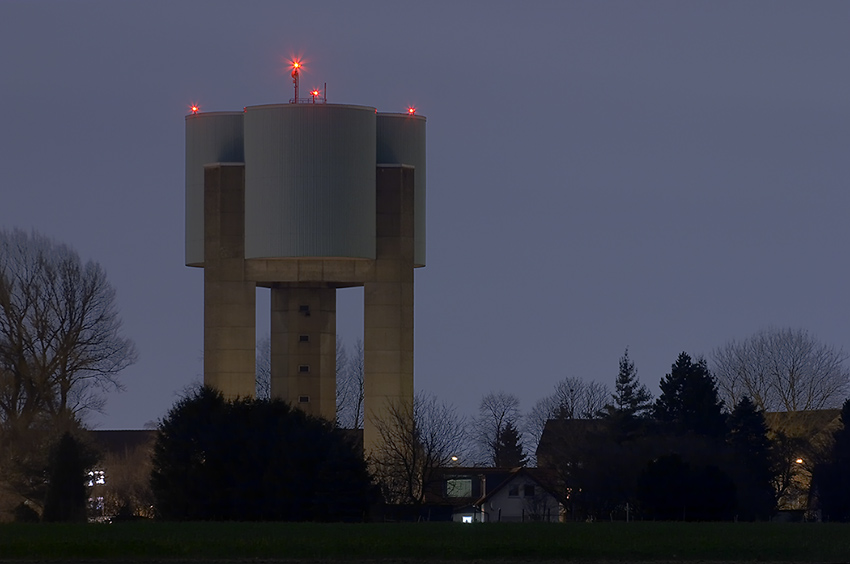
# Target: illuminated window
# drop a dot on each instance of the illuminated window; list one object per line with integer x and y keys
{"x": 459, "y": 487}
{"x": 96, "y": 478}
{"x": 466, "y": 518}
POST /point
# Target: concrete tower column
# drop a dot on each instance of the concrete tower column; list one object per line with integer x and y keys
{"x": 229, "y": 298}
{"x": 388, "y": 304}
{"x": 303, "y": 347}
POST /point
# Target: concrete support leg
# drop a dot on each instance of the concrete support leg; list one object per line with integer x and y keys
{"x": 388, "y": 306}
{"x": 229, "y": 299}
{"x": 303, "y": 347}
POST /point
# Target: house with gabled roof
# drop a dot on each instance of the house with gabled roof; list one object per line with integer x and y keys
{"x": 486, "y": 494}
{"x": 527, "y": 494}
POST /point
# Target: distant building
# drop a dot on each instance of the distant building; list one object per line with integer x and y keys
{"x": 120, "y": 482}
{"x": 477, "y": 494}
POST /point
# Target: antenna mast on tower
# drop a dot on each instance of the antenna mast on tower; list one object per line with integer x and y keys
{"x": 296, "y": 74}
{"x": 316, "y": 96}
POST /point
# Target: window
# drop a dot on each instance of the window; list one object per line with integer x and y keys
{"x": 513, "y": 490}
{"x": 303, "y": 399}
{"x": 304, "y": 310}
{"x": 459, "y": 487}
{"x": 304, "y": 368}
{"x": 528, "y": 490}
{"x": 304, "y": 338}
{"x": 466, "y": 518}
{"x": 96, "y": 478}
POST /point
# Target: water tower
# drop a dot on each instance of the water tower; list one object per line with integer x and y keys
{"x": 304, "y": 198}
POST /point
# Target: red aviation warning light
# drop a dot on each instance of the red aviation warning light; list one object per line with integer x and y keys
{"x": 194, "y": 108}
{"x": 296, "y": 73}
{"x": 317, "y": 95}
{"x": 411, "y": 110}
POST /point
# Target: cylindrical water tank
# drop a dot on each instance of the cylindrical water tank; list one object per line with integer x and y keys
{"x": 309, "y": 181}
{"x": 214, "y": 137}
{"x": 401, "y": 140}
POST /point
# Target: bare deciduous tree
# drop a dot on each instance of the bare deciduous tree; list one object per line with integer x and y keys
{"x": 573, "y": 398}
{"x": 350, "y": 390}
{"x": 416, "y": 440}
{"x": 495, "y": 412}
{"x": 127, "y": 491}
{"x": 264, "y": 368}
{"x": 536, "y": 418}
{"x": 61, "y": 346}
{"x": 343, "y": 389}
{"x": 61, "y": 351}
{"x": 577, "y": 399}
{"x": 781, "y": 370}
{"x": 349, "y": 381}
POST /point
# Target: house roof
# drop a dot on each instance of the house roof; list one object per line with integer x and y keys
{"x": 543, "y": 477}
{"x": 122, "y": 442}
{"x": 557, "y": 432}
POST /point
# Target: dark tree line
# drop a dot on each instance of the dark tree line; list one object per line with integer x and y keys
{"x": 680, "y": 457}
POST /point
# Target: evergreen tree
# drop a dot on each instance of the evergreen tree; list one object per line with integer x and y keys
{"x": 509, "y": 452}
{"x": 495, "y": 412}
{"x": 66, "y": 490}
{"x": 631, "y": 398}
{"x": 831, "y": 478}
{"x": 258, "y": 460}
{"x": 752, "y": 450}
{"x": 631, "y": 403}
{"x": 688, "y": 401}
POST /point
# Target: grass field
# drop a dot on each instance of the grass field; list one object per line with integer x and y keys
{"x": 429, "y": 542}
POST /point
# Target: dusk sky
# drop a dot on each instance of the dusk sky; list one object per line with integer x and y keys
{"x": 663, "y": 176}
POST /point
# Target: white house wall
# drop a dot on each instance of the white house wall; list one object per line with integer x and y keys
{"x": 542, "y": 506}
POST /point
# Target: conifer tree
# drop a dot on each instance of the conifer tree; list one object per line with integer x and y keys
{"x": 689, "y": 401}
{"x": 509, "y": 452}
{"x": 631, "y": 401}
{"x": 631, "y": 398}
{"x": 66, "y": 491}
{"x": 752, "y": 450}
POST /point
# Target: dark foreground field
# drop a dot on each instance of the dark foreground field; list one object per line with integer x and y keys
{"x": 428, "y": 542}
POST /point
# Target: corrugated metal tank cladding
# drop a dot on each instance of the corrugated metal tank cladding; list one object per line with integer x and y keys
{"x": 401, "y": 140}
{"x": 214, "y": 137}
{"x": 309, "y": 181}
